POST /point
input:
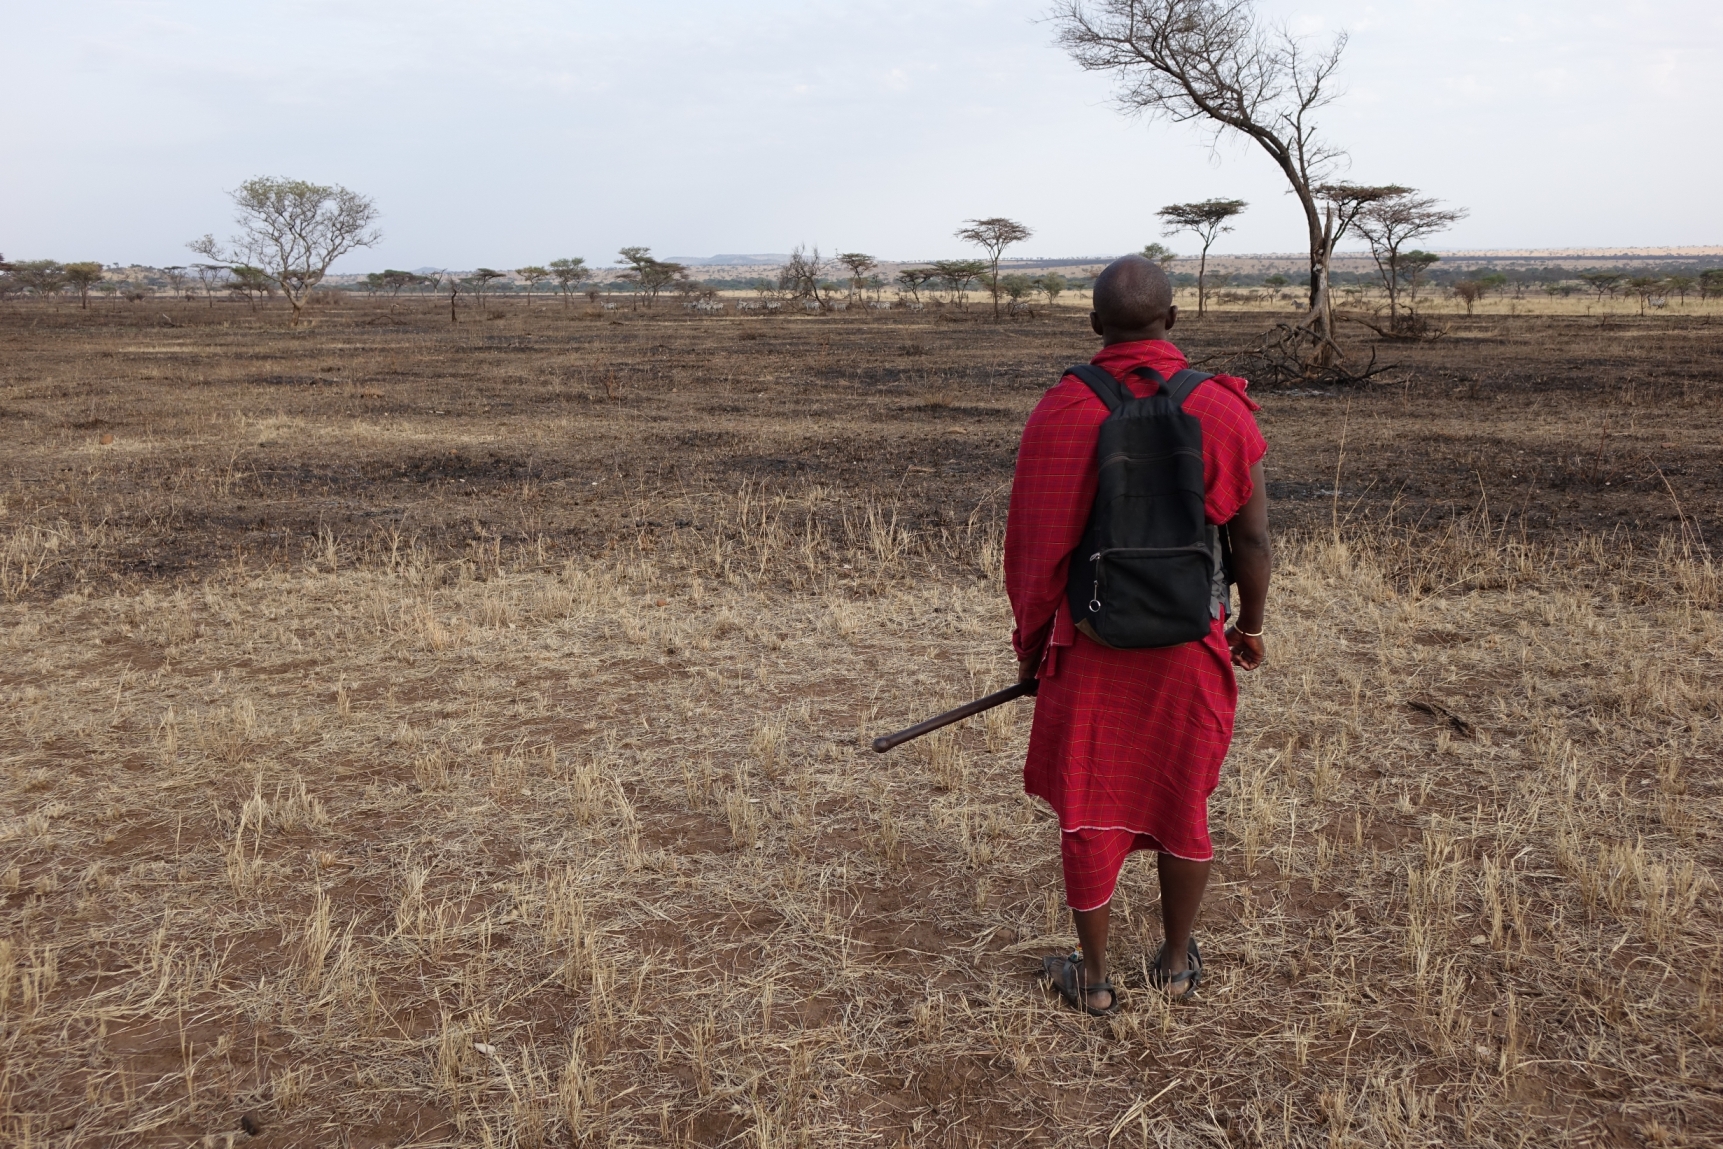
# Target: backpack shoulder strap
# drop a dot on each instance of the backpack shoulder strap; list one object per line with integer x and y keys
{"x": 1108, "y": 389}
{"x": 1180, "y": 386}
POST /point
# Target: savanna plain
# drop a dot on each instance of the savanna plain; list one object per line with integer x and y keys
{"x": 428, "y": 734}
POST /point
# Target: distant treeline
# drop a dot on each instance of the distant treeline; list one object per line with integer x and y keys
{"x": 47, "y": 279}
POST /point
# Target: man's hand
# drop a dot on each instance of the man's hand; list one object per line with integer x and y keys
{"x": 1248, "y": 652}
{"x": 1026, "y": 667}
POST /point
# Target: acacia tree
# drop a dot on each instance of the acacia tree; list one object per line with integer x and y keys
{"x": 1052, "y": 285}
{"x": 533, "y": 275}
{"x": 1161, "y": 254}
{"x": 251, "y": 282}
{"x": 1413, "y": 265}
{"x": 1207, "y": 220}
{"x": 481, "y": 278}
{"x": 958, "y": 274}
{"x": 1015, "y": 286}
{"x": 649, "y": 275}
{"x": 993, "y": 235}
{"x": 293, "y": 230}
{"x": 914, "y": 279}
{"x": 83, "y": 276}
{"x": 1212, "y": 61}
{"x": 390, "y": 279}
{"x": 1602, "y": 282}
{"x": 859, "y": 264}
{"x": 42, "y": 277}
{"x": 568, "y": 274}
{"x": 1389, "y": 223}
{"x": 1645, "y": 287}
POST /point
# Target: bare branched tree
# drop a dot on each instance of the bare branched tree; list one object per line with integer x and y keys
{"x": 1213, "y": 62}
{"x": 293, "y": 230}
{"x": 994, "y": 235}
{"x": 212, "y": 276}
{"x": 1206, "y": 220}
{"x": 454, "y": 286}
{"x": 800, "y": 277}
{"x": 1394, "y": 221}
{"x": 176, "y": 279}
{"x": 1343, "y": 205}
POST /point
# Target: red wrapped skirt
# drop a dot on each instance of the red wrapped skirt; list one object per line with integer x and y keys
{"x": 1126, "y": 747}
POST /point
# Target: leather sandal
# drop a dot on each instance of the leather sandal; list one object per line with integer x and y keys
{"x": 1065, "y": 974}
{"x": 1190, "y": 977}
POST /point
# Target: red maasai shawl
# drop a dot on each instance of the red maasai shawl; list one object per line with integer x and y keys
{"x": 1125, "y": 741}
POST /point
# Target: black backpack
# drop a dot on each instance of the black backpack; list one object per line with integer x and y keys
{"x": 1150, "y": 570}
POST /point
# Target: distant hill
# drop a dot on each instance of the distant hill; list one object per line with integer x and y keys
{"x": 727, "y": 260}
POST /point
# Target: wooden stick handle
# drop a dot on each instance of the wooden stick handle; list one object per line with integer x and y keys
{"x": 998, "y": 698}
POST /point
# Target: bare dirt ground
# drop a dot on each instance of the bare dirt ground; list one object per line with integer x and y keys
{"x": 426, "y": 735}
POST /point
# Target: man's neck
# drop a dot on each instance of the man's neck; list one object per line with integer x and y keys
{"x": 1110, "y": 338}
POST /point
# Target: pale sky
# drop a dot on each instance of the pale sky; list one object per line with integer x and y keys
{"x": 505, "y": 133}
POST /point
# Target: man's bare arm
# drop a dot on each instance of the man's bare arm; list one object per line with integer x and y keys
{"x": 1252, "y": 564}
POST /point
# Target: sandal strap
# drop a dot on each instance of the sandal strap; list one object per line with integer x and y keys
{"x": 1075, "y": 990}
{"x": 1161, "y": 978}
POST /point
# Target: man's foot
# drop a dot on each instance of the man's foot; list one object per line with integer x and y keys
{"x": 1180, "y": 982}
{"x": 1092, "y": 997}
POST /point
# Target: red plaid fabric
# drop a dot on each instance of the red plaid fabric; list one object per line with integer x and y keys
{"x": 1127, "y": 745}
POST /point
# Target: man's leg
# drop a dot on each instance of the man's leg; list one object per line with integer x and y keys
{"x": 1182, "y": 885}
{"x": 1092, "y": 936}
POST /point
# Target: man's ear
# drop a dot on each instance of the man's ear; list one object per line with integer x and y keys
{"x": 1172, "y": 315}
{"x": 1095, "y": 323}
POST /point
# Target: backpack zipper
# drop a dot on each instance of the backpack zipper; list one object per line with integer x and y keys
{"x": 1136, "y": 552}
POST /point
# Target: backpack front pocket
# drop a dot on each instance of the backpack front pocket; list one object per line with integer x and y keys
{"x": 1151, "y": 596}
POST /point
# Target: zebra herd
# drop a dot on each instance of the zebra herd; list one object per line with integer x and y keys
{"x": 711, "y": 306}
{"x": 743, "y": 306}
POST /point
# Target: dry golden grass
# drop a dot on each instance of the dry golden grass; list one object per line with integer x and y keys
{"x": 413, "y": 856}
{"x": 381, "y": 843}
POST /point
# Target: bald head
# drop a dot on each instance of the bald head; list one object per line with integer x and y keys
{"x": 1133, "y": 300}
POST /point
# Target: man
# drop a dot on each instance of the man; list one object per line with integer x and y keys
{"x": 1127, "y": 745}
